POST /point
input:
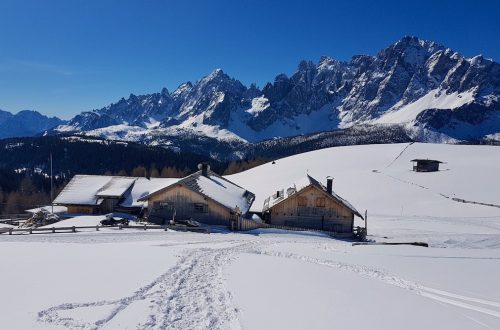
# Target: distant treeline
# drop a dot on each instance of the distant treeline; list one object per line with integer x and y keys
{"x": 25, "y": 166}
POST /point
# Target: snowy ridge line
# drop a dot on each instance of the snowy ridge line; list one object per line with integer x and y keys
{"x": 435, "y": 294}
{"x": 191, "y": 295}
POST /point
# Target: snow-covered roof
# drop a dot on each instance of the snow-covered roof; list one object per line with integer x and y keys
{"x": 91, "y": 189}
{"x": 426, "y": 160}
{"x": 57, "y": 209}
{"x": 299, "y": 185}
{"x": 143, "y": 187}
{"x": 83, "y": 190}
{"x": 116, "y": 187}
{"x": 225, "y": 192}
{"x": 215, "y": 187}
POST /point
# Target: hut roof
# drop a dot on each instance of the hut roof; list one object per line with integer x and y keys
{"x": 116, "y": 187}
{"x": 83, "y": 190}
{"x": 92, "y": 189}
{"x": 217, "y": 188}
{"x": 143, "y": 187}
{"x": 426, "y": 161}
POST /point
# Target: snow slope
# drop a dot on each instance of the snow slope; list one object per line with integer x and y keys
{"x": 274, "y": 279}
{"x": 378, "y": 178}
{"x": 435, "y": 99}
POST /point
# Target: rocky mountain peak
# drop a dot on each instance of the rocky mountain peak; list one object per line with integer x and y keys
{"x": 411, "y": 82}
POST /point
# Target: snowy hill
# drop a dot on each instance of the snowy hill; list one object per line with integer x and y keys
{"x": 275, "y": 279}
{"x": 25, "y": 123}
{"x": 400, "y": 202}
{"x": 434, "y": 93}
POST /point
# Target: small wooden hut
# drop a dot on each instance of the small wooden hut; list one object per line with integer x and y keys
{"x": 425, "y": 165}
{"x": 309, "y": 204}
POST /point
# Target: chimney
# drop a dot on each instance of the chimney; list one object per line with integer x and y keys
{"x": 204, "y": 167}
{"x": 329, "y": 183}
{"x": 277, "y": 193}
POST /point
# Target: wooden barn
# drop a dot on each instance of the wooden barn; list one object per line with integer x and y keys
{"x": 425, "y": 165}
{"x": 203, "y": 196}
{"x": 309, "y": 204}
{"x": 98, "y": 194}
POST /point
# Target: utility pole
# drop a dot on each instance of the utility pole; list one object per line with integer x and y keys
{"x": 51, "y": 186}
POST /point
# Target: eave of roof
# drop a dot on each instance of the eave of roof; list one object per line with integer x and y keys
{"x": 426, "y": 160}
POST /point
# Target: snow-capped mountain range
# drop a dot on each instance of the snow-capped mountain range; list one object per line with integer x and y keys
{"x": 435, "y": 93}
{"x": 25, "y": 123}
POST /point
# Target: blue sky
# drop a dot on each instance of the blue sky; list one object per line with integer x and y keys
{"x": 67, "y": 56}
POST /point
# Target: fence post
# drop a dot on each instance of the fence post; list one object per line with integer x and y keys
{"x": 120, "y": 227}
{"x": 96, "y": 228}
{"x": 73, "y": 229}
{"x": 145, "y": 227}
{"x": 10, "y": 231}
{"x": 366, "y": 222}
{"x": 31, "y": 231}
{"x": 53, "y": 229}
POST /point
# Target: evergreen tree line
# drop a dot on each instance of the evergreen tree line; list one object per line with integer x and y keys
{"x": 20, "y": 191}
{"x": 25, "y": 166}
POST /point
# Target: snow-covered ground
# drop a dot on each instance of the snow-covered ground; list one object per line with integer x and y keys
{"x": 272, "y": 279}
{"x": 402, "y": 203}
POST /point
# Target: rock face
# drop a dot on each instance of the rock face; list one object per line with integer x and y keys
{"x": 433, "y": 92}
{"x": 25, "y": 123}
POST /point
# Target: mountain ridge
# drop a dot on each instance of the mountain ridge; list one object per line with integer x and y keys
{"x": 432, "y": 92}
{"x": 26, "y": 123}
{"x": 413, "y": 83}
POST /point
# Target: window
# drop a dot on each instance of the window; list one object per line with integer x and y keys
{"x": 302, "y": 201}
{"x": 320, "y": 201}
{"x": 163, "y": 205}
{"x": 200, "y": 208}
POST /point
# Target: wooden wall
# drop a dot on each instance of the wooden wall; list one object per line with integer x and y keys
{"x": 306, "y": 210}
{"x": 81, "y": 209}
{"x": 188, "y": 204}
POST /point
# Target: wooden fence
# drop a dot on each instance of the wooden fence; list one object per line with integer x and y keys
{"x": 245, "y": 224}
{"x": 14, "y": 219}
{"x": 74, "y": 229}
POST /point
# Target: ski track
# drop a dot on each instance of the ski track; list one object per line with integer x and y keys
{"x": 442, "y": 296}
{"x": 193, "y": 293}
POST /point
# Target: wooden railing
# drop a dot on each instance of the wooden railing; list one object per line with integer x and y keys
{"x": 74, "y": 229}
{"x": 14, "y": 219}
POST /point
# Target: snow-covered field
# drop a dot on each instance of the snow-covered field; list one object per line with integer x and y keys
{"x": 271, "y": 279}
{"x": 402, "y": 203}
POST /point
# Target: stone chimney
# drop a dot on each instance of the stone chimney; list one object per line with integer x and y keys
{"x": 329, "y": 184}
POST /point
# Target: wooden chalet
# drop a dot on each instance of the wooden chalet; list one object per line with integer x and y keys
{"x": 203, "y": 196}
{"x": 309, "y": 204}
